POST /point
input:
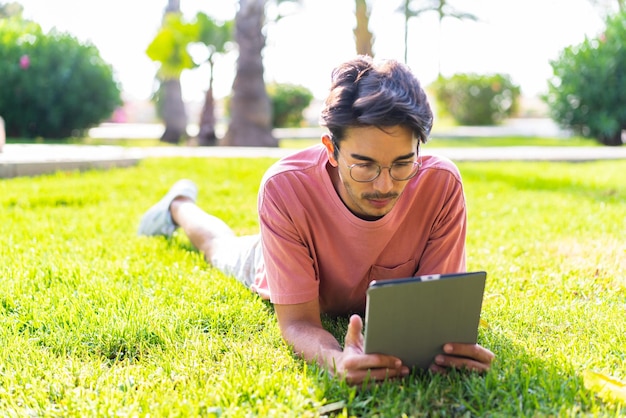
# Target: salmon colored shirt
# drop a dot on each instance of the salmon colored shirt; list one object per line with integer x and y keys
{"x": 315, "y": 248}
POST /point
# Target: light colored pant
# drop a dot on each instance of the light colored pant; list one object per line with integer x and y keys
{"x": 239, "y": 257}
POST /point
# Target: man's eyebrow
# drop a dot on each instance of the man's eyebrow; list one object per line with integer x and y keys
{"x": 369, "y": 159}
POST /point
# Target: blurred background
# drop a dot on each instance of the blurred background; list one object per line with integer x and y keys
{"x": 514, "y": 37}
{"x": 304, "y": 40}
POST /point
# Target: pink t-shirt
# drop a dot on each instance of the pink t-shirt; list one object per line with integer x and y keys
{"x": 315, "y": 248}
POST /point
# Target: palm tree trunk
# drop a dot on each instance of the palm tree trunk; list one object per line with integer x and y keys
{"x": 251, "y": 111}
{"x": 173, "y": 6}
{"x": 174, "y": 114}
{"x": 406, "y": 30}
{"x": 206, "y": 133}
{"x": 362, "y": 34}
{"x": 2, "y": 134}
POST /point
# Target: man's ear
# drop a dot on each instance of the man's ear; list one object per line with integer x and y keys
{"x": 330, "y": 149}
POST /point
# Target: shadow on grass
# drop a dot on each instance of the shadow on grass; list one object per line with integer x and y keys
{"x": 519, "y": 384}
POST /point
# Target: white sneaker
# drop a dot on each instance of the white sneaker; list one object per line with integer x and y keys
{"x": 158, "y": 219}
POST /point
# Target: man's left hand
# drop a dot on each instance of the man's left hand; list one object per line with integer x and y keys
{"x": 471, "y": 357}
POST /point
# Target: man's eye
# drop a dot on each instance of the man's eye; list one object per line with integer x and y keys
{"x": 367, "y": 166}
{"x": 403, "y": 164}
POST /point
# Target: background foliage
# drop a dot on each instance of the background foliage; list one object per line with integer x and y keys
{"x": 473, "y": 99}
{"x": 586, "y": 93}
{"x": 51, "y": 85}
{"x": 288, "y": 103}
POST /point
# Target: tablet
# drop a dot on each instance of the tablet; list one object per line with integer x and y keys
{"x": 413, "y": 318}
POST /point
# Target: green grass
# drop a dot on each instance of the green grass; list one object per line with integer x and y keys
{"x": 122, "y": 142}
{"x": 472, "y": 142}
{"x": 299, "y": 143}
{"x": 513, "y": 141}
{"x": 95, "y": 321}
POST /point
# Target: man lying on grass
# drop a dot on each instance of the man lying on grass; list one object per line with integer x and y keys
{"x": 363, "y": 205}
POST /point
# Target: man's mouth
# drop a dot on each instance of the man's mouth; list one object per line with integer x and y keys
{"x": 380, "y": 201}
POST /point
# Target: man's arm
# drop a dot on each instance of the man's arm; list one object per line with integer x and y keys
{"x": 302, "y": 329}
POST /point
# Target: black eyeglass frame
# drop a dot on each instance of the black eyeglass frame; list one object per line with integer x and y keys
{"x": 416, "y": 163}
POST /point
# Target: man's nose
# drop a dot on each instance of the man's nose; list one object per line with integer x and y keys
{"x": 383, "y": 183}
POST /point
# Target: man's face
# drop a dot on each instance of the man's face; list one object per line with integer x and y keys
{"x": 371, "y": 145}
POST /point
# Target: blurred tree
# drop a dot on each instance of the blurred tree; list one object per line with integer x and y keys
{"x": 586, "y": 93}
{"x": 288, "y": 104}
{"x": 443, "y": 10}
{"x": 475, "y": 99}
{"x": 217, "y": 39}
{"x": 251, "y": 114}
{"x": 51, "y": 84}
{"x": 363, "y": 36}
{"x": 169, "y": 47}
{"x": 10, "y": 10}
{"x": 250, "y": 107}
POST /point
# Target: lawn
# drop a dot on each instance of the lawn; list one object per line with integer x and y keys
{"x": 96, "y": 321}
{"x": 473, "y": 142}
{"x": 298, "y": 143}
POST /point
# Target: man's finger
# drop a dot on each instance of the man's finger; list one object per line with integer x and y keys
{"x": 461, "y": 363}
{"x": 470, "y": 351}
{"x": 354, "y": 335}
{"x": 375, "y": 375}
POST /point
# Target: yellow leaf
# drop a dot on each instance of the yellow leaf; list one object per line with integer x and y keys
{"x": 483, "y": 323}
{"x": 608, "y": 388}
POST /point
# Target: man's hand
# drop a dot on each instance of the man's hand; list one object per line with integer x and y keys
{"x": 357, "y": 367}
{"x": 301, "y": 327}
{"x": 470, "y": 357}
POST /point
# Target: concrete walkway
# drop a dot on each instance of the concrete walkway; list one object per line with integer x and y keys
{"x": 34, "y": 159}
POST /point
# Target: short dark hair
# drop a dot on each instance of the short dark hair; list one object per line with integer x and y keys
{"x": 381, "y": 94}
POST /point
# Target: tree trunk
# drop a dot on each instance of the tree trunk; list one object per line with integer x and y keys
{"x": 250, "y": 107}
{"x": 173, "y": 6}
{"x": 362, "y": 35}
{"x": 174, "y": 114}
{"x": 2, "y": 134}
{"x": 613, "y": 140}
{"x": 173, "y": 107}
{"x": 407, "y": 16}
{"x": 206, "y": 133}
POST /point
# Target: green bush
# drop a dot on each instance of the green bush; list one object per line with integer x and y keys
{"x": 51, "y": 85}
{"x": 587, "y": 91}
{"x": 288, "y": 103}
{"x": 473, "y": 99}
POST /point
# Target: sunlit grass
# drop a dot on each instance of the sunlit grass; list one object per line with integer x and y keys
{"x": 512, "y": 141}
{"x": 299, "y": 143}
{"x": 95, "y": 321}
{"x": 122, "y": 142}
{"x": 473, "y": 142}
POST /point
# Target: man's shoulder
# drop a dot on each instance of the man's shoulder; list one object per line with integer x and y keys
{"x": 440, "y": 165}
{"x": 298, "y": 161}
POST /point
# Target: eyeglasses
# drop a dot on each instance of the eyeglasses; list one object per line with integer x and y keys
{"x": 366, "y": 172}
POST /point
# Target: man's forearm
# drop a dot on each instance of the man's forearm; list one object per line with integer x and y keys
{"x": 313, "y": 344}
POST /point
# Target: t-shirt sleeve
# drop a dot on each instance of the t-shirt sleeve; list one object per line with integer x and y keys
{"x": 445, "y": 248}
{"x": 289, "y": 266}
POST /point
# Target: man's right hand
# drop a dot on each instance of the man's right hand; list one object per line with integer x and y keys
{"x": 357, "y": 367}
{"x": 302, "y": 329}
